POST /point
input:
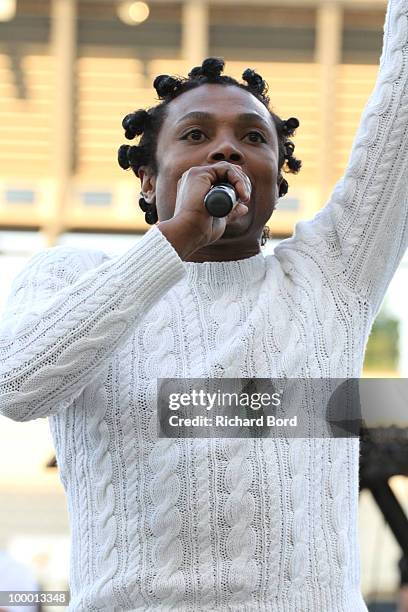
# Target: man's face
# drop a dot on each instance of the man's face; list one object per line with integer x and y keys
{"x": 250, "y": 143}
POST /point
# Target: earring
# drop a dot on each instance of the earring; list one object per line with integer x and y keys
{"x": 266, "y": 235}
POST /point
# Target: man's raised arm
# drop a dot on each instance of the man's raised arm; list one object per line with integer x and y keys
{"x": 359, "y": 237}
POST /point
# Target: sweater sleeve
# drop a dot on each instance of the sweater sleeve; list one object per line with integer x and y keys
{"x": 359, "y": 237}
{"x": 67, "y": 313}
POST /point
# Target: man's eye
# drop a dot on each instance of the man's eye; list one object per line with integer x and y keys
{"x": 185, "y": 137}
{"x": 257, "y": 134}
{"x": 197, "y": 131}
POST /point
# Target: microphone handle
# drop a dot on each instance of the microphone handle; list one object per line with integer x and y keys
{"x": 220, "y": 200}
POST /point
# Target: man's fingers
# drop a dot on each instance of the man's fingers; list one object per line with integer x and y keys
{"x": 239, "y": 211}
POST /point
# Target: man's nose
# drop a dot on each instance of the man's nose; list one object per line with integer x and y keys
{"x": 226, "y": 151}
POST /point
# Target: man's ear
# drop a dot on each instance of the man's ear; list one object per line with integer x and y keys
{"x": 148, "y": 184}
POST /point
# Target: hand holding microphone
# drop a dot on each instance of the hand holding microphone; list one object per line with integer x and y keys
{"x": 208, "y": 198}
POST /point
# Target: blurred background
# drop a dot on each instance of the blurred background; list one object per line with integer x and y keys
{"x": 70, "y": 70}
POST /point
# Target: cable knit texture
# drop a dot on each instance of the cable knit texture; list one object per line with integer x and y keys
{"x": 214, "y": 524}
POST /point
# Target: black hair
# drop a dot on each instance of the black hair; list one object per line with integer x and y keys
{"x": 149, "y": 122}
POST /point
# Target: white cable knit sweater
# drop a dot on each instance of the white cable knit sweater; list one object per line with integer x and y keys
{"x": 214, "y": 524}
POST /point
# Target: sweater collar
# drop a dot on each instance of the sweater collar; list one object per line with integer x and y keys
{"x": 247, "y": 270}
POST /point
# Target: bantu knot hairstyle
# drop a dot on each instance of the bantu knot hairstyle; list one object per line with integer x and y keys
{"x": 148, "y": 122}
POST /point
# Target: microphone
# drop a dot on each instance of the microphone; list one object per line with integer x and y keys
{"x": 220, "y": 200}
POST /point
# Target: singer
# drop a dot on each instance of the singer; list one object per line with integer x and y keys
{"x": 213, "y": 524}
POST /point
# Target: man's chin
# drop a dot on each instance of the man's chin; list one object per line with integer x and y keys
{"x": 235, "y": 229}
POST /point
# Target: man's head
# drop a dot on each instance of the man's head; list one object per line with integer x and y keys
{"x": 232, "y": 122}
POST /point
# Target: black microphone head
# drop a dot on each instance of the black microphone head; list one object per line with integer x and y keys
{"x": 220, "y": 200}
